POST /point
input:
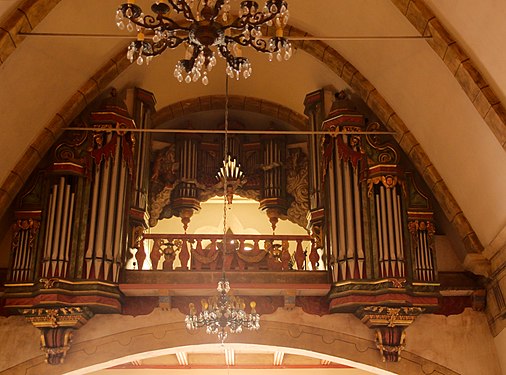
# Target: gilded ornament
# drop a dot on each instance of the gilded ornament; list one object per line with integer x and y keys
{"x": 48, "y": 283}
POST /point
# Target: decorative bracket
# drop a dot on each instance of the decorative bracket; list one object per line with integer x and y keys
{"x": 57, "y": 326}
{"x": 390, "y": 323}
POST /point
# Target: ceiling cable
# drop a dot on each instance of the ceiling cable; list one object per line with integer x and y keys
{"x": 230, "y": 131}
{"x": 294, "y": 38}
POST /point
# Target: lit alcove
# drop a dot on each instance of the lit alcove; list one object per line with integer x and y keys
{"x": 243, "y": 218}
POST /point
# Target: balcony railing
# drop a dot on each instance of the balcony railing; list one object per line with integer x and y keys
{"x": 170, "y": 252}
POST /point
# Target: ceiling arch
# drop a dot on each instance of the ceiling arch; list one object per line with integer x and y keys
{"x": 476, "y": 87}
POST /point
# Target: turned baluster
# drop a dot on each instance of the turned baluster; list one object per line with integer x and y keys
{"x": 141, "y": 255}
{"x": 155, "y": 253}
{"x": 184, "y": 255}
{"x": 300, "y": 256}
{"x": 314, "y": 257}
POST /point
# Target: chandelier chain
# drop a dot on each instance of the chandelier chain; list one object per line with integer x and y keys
{"x": 225, "y": 177}
{"x": 224, "y": 313}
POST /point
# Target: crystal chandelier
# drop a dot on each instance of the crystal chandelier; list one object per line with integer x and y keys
{"x": 202, "y": 26}
{"x": 223, "y": 313}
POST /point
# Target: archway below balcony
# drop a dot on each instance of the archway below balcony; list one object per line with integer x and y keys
{"x": 110, "y": 340}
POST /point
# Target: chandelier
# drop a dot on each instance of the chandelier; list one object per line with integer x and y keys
{"x": 223, "y": 313}
{"x": 202, "y": 26}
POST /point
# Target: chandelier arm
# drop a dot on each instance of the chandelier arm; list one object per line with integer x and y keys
{"x": 234, "y": 62}
{"x": 159, "y": 47}
{"x": 193, "y": 59}
{"x": 258, "y": 44}
{"x": 258, "y": 19}
{"x": 169, "y": 24}
{"x": 147, "y": 22}
{"x": 181, "y": 6}
{"x": 252, "y": 20}
{"x": 174, "y": 41}
{"x": 217, "y": 8}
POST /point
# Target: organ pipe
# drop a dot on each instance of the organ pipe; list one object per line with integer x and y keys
{"x": 422, "y": 233}
{"x": 106, "y": 220}
{"x": 25, "y": 234}
{"x": 389, "y": 231}
{"x": 55, "y": 262}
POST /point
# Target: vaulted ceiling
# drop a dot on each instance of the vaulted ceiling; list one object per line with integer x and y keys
{"x": 441, "y": 94}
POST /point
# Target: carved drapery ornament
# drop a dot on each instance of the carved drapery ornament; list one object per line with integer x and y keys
{"x": 57, "y": 326}
{"x": 390, "y": 324}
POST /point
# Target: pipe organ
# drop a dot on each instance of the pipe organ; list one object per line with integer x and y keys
{"x": 25, "y": 232}
{"x": 70, "y": 234}
{"x": 317, "y": 105}
{"x": 389, "y": 228}
{"x": 345, "y": 224}
{"x": 273, "y": 193}
{"x": 58, "y": 232}
{"x": 369, "y": 198}
{"x": 185, "y": 195}
{"x": 81, "y": 217}
{"x": 105, "y": 241}
{"x": 141, "y": 104}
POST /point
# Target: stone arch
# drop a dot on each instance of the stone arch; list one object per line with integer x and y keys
{"x": 321, "y": 51}
{"x": 238, "y": 102}
{"x": 463, "y": 69}
{"x": 343, "y": 343}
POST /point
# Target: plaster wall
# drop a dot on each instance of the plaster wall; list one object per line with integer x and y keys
{"x": 500, "y": 343}
{"x": 460, "y": 344}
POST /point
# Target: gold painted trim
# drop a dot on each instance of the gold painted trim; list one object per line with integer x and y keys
{"x": 379, "y": 303}
{"x": 352, "y": 282}
{"x": 20, "y": 284}
{"x": 56, "y": 303}
{"x": 67, "y": 292}
{"x": 86, "y": 283}
{"x": 419, "y": 213}
{"x": 373, "y": 292}
{"x": 426, "y": 284}
{"x": 68, "y": 282}
{"x": 383, "y": 166}
{"x": 68, "y": 163}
